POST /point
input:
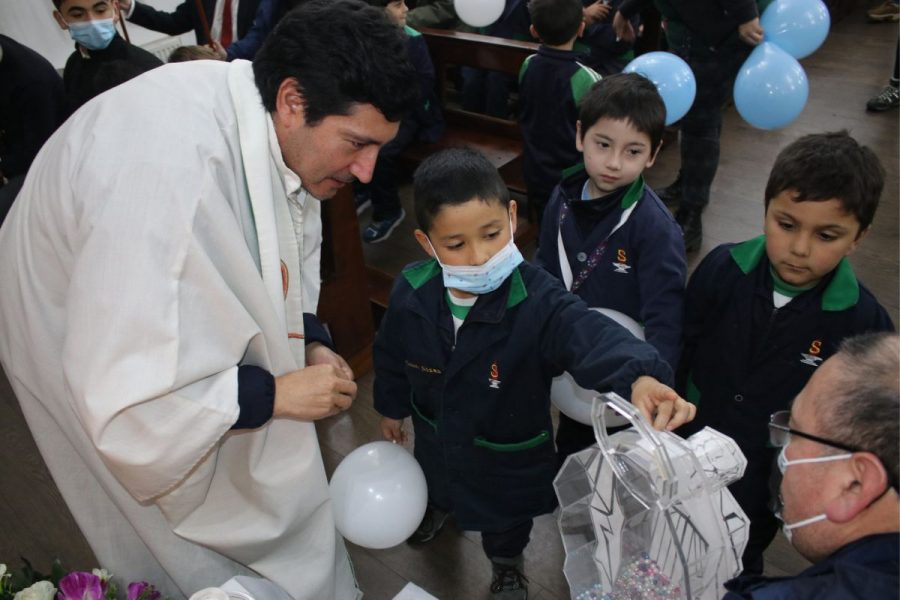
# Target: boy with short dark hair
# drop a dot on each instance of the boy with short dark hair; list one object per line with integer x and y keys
{"x": 606, "y": 235}
{"x": 468, "y": 347}
{"x": 551, "y": 83}
{"x": 92, "y": 25}
{"x": 763, "y": 314}
{"x": 425, "y": 123}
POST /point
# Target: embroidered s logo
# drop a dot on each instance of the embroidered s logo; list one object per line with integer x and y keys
{"x": 811, "y": 357}
{"x": 494, "y": 380}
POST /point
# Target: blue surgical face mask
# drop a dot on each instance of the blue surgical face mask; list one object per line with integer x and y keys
{"x": 93, "y": 35}
{"x": 783, "y": 464}
{"x": 484, "y": 278}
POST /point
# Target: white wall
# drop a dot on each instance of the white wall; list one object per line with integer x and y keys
{"x": 31, "y": 23}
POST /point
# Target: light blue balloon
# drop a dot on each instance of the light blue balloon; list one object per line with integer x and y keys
{"x": 673, "y": 79}
{"x": 771, "y": 88}
{"x": 796, "y": 26}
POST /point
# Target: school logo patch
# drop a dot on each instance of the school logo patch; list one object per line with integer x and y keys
{"x": 621, "y": 263}
{"x": 494, "y": 379}
{"x": 811, "y": 357}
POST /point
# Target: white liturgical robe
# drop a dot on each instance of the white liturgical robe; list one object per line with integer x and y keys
{"x": 141, "y": 265}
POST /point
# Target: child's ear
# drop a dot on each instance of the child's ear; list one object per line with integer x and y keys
{"x": 533, "y": 32}
{"x": 859, "y": 238}
{"x": 581, "y": 29}
{"x": 578, "y": 145}
{"x": 653, "y": 155}
{"x": 422, "y": 238}
{"x": 513, "y": 211}
{"x": 60, "y": 21}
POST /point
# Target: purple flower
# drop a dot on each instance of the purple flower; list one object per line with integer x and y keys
{"x": 79, "y": 585}
{"x": 141, "y": 590}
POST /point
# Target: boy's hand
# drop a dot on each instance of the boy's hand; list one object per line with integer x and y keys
{"x": 392, "y": 430}
{"x": 623, "y": 28}
{"x": 660, "y": 405}
{"x": 596, "y": 12}
{"x": 751, "y": 32}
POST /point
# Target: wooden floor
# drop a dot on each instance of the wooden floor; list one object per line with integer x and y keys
{"x": 852, "y": 66}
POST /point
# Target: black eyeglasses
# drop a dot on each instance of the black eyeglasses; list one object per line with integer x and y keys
{"x": 780, "y": 434}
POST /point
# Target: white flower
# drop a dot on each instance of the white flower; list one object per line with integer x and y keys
{"x": 103, "y": 574}
{"x": 2, "y": 570}
{"x": 42, "y": 590}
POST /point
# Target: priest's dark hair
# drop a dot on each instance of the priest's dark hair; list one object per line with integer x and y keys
{"x": 341, "y": 53}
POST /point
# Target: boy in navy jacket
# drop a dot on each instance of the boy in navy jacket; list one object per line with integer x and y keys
{"x": 426, "y": 123}
{"x": 551, "y": 83}
{"x": 605, "y": 233}
{"x": 762, "y": 315}
{"x": 468, "y": 347}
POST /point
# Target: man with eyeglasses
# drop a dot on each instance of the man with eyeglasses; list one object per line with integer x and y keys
{"x": 838, "y": 467}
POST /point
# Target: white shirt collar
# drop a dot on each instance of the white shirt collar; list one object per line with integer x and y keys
{"x": 293, "y": 187}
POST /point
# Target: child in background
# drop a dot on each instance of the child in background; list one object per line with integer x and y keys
{"x": 605, "y": 233}
{"x": 551, "y": 83}
{"x": 92, "y": 25}
{"x": 426, "y": 124}
{"x": 761, "y": 315}
{"x": 468, "y": 347}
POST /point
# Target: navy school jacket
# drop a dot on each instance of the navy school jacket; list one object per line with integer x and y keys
{"x": 480, "y": 405}
{"x": 551, "y": 84}
{"x": 743, "y": 359}
{"x": 642, "y": 273}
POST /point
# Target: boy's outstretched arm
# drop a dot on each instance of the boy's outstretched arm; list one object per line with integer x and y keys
{"x": 660, "y": 404}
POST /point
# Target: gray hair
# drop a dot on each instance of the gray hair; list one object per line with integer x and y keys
{"x": 864, "y": 411}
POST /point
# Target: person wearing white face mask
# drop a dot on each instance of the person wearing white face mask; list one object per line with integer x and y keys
{"x": 839, "y": 478}
{"x": 102, "y": 57}
{"x": 468, "y": 348}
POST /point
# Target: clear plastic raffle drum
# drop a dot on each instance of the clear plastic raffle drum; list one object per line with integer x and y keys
{"x": 646, "y": 515}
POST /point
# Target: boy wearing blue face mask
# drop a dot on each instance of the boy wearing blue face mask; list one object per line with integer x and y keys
{"x": 92, "y": 25}
{"x": 468, "y": 348}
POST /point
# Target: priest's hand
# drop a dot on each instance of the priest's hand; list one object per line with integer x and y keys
{"x": 660, "y": 404}
{"x": 314, "y": 392}
{"x": 392, "y": 430}
{"x": 319, "y": 354}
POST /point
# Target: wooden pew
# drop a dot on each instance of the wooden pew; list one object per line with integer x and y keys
{"x": 498, "y": 139}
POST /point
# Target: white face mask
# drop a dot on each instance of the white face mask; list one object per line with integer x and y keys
{"x": 783, "y": 464}
{"x": 484, "y": 278}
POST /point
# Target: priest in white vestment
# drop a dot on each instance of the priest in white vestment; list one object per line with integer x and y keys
{"x": 160, "y": 275}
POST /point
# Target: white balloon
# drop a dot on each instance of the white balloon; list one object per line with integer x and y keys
{"x": 479, "y": 13}
{"x": 573, "y": 400}
{"x": 379, "y": 495}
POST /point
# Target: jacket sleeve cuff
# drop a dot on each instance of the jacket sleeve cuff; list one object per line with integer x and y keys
{"x": 314, "y": 331}
{"x": 256, "y": 397}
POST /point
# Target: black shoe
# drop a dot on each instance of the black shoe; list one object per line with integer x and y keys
{"x": 671, "y": 194}
{"x": 378, "y": 231}
{"x": 431, "y": 525}
{"x": 691, "y": 227}
{"x": 508, "y": 581}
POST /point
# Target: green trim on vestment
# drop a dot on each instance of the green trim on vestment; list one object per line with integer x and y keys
{"x": 460, "y": 311}
{"x": 410, "y": 31}
{"x": 537, "y": 440}
{"x": 784, "y": 288}
{"x": 634, "y": 192}
{"x": 421, "y": 416}
{"x": 524, "y": 66}
{"x": 842, "y": 291}
{"x": 417, "y": 275}
{"x": 581, "y": 81}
